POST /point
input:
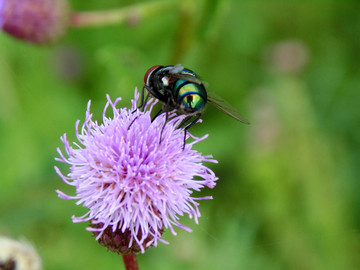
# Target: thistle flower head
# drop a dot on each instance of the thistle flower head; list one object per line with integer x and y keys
{"x": 133, "y": 186}
{"x": 36, "y": 21}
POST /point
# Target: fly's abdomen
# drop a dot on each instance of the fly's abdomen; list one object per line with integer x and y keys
{"x": 190, "y": 97}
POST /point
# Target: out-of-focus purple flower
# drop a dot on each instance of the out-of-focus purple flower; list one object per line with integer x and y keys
{"x": 36, "y": 21}
{"x": 133, "y": 186}
{"x": 287, "y": 56}
{"x": 2, "y": 7}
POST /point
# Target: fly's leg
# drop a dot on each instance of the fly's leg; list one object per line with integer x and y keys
{"x": 143, "y": 99}
{"x": 143, "y": 102}
{"x": 132, "y": 122}
{"x": 166, "y": 110}
{"x": 184, "y": 122}
{"x": 196, "y": 119}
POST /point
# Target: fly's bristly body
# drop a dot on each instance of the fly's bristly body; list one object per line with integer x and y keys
{"x": 177, "y": 88}
{"x": 181, "y": 89}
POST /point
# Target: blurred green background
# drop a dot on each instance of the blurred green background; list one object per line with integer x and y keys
{"x": 287, "y": 197}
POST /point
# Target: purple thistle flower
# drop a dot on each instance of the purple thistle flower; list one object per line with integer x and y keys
{"x": 133, "y": 186}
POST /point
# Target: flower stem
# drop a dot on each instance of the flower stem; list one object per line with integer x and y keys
{"x": 131, "y": 14}
{"x": 130, "y": 262}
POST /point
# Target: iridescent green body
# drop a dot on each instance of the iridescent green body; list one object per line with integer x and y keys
{"x": 190, "y": 97}
{"x": 177, "y": 87}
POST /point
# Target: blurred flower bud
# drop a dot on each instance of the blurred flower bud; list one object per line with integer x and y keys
{"x": 67, "y": 62}
{"x": 289, "y": 56}
{"x": 36, "y": 21}
{"x": 18, "y": 255}
{"x": 266, "y": 134}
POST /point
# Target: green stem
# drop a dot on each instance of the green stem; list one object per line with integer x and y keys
{"x": 129, "y": 14}
{"x": 186, "y": 28}
{"x": 130, "y": 262}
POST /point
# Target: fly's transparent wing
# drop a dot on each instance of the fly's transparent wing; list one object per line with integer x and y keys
{"x": 225, "y": 107}
{"x": 176, "y": 69}
{"x": 177, "y": 72}
{"x": 187, "y": 77}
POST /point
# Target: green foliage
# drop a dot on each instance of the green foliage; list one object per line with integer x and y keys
{"x": 287, "y": 195}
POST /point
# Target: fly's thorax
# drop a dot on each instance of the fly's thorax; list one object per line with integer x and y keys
{"x": 190, "y": 97}
{"x": 149, "y": 74}
{"x": 158, "y": 78}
